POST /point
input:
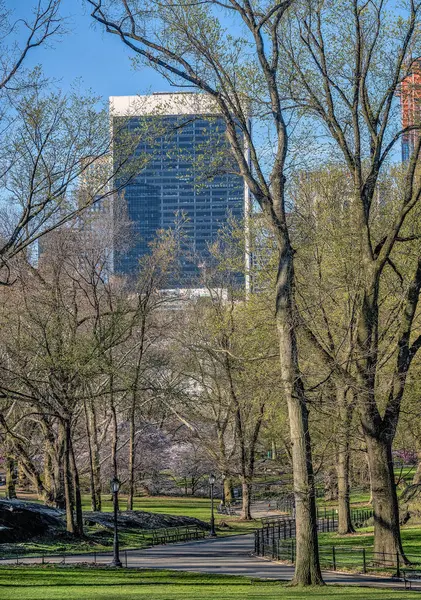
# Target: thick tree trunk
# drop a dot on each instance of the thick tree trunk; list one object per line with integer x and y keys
{"x": 228, "y": 489}
{"x": 344, "y": 509}
{"x": 387, "y": 540}
{"x": 307, "y": 565}
{"x": 246, "y": 507}
{"x": 10, "y": 479}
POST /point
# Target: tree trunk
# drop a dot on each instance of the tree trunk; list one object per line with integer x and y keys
{"x": 274, "y": 452}
{"x": 49, "y": 482}
{"x": 344, "y": 509}
{"x": 330, "y": 485}
{"x": 228, "y": 489}
{"x": 307, "y": 565}
{"x": 96, "y": 464}
{"x": 387, "y": 540}
{"x": 10, "y": 479}
{"x": 114, "y": 437}
{"x": 78, "y": 496}
{"x": 246, "y": 508}
{"x": 91, "y": 461}
{"x": 130, "y": 495}
{"x": 68, "y": 492}
{"x": 59, "y": 476}
{"x": 417, "y": 477}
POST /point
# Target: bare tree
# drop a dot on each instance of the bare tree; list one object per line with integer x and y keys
{"x": 189, "y": 45}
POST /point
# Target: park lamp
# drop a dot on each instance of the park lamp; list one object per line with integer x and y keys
{"x": 115, "y": 485}
{"x": 212, "y": 479}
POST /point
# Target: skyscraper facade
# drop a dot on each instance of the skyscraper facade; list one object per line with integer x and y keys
{"x": 185, "y": 175}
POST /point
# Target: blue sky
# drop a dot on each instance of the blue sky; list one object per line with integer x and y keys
{"x": 88, "y": 54}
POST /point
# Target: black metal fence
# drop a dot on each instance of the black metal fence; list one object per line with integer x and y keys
{"x": 359, "y": 516}
{"x": 150, "y": 537}
{"x": 171, "y": 535}
{"x": 274, "y": 529}
{"x": 64, "y": 558}
{"x": 337, "y": 558}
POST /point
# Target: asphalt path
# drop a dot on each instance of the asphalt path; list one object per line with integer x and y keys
{"x": 222, "y": 555}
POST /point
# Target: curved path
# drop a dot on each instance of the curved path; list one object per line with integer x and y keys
{"x": 224, "y": 555}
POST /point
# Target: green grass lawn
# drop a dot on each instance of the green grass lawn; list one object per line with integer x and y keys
{"x": 411, "y": 539}
{"x": 179, "y": 505}
{"x": 348, "y": 549}
{"x": 89, "y": 584}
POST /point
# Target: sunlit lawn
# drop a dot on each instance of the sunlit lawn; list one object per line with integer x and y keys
{"x": 91, "y": 584}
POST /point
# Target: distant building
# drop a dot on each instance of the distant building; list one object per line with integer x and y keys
{"x": 187, "y": 175}
{"x": 410, "y": 99}
{"x": 93, "y": 227}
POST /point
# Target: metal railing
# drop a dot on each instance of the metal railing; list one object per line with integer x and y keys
{"x": 171, "y": 535}
{"x": 152, "y": 537}
{"x": 339, "y": 558}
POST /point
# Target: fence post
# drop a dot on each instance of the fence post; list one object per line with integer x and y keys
{"x": 125, "y": 556}
{"x": 285, "y": 530}
{"x": 273, "y": 548}
{"x": 42, "y": 558}
{"x": 398, "y": 566}
{"x": 334, "y": 558}
{"x": 328, "y": 524}
{"x": 364, "y": 562}
{"x": 292, "y": 551}
{"x": 94, "y": 557}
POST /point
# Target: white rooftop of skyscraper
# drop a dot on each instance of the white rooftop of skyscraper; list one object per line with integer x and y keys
{"x": 178, "y": 103}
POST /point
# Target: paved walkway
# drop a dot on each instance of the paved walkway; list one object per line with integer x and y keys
{"x": 224, "y": 555}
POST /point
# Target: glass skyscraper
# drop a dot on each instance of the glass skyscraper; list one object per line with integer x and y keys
{"x": 187, "y": 177}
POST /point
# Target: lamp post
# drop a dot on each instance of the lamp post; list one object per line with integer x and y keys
{"x": 223, "y": 488}
{"x": 212, "y": 522}
{"x": 115, "y": 486}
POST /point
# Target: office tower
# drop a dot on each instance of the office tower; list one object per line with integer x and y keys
{"x": 185, "y": 174}
{"x": 410, "y": 98}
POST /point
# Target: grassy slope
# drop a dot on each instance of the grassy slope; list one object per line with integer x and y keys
{"x": 181, "y": 506}
{"x": 83, "y": 584}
